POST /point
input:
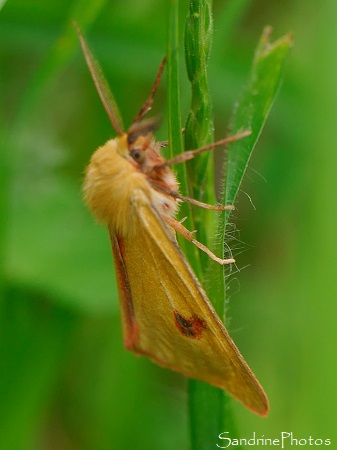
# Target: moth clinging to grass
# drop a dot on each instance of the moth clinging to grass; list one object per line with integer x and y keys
{"x": 166, "y": 314}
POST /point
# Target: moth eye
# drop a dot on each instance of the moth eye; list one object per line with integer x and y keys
{"x": 137, "y": 154}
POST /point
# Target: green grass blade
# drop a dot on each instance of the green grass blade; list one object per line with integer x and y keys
{"x": 84, "y": 13}
{"x": 4, "y": 209}
{"x": 251, "y": 113}
{"x": 199, "y": 125}
{"x": 174, "y": 116}
{"x": 174, "y": 124}
{"x": 199, "y": 130}
{"x": 206, "y": 403}
{"x": 253, "y": 109}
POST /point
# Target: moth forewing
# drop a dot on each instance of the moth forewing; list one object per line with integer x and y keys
{"x": 166, "y": 314}
{"x": 180, "y": 329}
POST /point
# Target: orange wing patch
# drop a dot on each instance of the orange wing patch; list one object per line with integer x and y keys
{"x": 190, "y": 327}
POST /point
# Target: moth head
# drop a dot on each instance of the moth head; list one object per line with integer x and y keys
{"x": 141, "y": 144}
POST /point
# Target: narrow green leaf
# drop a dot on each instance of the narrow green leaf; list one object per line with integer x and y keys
{"x": 174, "y": 122}
{"x": 199, "y": 125}
{"x": 4, "y": 197}
{"x": 206, "y": 414}
{"x": 251, "y": 113}
{"x": 174, "y": 116}
{"x": 254, "y": 106}
{"x": 4, "y": 209}
{"x": 206, "y": 403}
{"x": 84, "y": 12}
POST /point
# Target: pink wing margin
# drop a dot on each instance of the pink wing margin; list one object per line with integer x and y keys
{"x": 130, "y": 328}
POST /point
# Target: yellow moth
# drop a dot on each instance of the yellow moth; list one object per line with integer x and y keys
{"x": 166, "y": 314}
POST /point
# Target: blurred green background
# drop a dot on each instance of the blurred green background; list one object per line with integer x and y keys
{"x": 66, "y": 381}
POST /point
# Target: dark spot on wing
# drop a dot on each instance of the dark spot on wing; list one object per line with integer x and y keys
{"x": 191, "y": 327}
